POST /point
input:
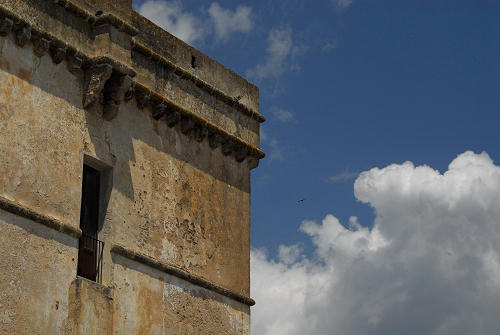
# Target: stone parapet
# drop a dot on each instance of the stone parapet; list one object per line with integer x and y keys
{"x": 178, "y": 83}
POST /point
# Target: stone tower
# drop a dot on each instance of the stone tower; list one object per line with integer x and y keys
{"x": 125, "y": 158}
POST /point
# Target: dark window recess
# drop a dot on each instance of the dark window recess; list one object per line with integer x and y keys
{"x": 194, "y": 64}
{"x": 90, "y": 249}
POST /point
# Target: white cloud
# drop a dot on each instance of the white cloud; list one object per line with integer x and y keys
{"x": 227, "y": 21}
{"x": 170, "y": 16}
{"x": 276, "y": 153}
{"x": 280, "y": 46}
{"x": 341, "y": 4}
{"x": 289, "y": 254}
{"x": 344, "y": 176}
{"x": 430, "y": 264}
{"x": 282, "y": 114}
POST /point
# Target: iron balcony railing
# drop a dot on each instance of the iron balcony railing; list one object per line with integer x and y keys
{"x": 90, "y": 258}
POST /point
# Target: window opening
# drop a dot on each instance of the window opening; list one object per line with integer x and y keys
{"x": 90, "y": 249}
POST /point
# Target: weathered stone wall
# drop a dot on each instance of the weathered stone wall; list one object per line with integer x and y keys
{"x": 175, "y": 156}
{"x": 174, "y": 199}
{"x": 40, "y": 133}
{"x": 168, "y": 305}
{"x": 38, "y": 265}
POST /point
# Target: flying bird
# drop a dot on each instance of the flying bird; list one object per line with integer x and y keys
{"x": 301, "y": 200}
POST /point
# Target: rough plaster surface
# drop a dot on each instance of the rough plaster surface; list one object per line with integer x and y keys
{"x": 40, "y": 133}
{"x": 38, "y": 265}
{"x": 165, "y": 195}
{"x": 174, "y": 205}
{"x": 168, "y": 305}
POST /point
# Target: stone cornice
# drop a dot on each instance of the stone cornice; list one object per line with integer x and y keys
{"x": 100, "y": 19}
{"x": 199, "y": 128}
{"x": 198, "y": 82}
{"x": 110, "y": 82}
{"x": 48, "y": 221}
{"x": 172, "y": 270}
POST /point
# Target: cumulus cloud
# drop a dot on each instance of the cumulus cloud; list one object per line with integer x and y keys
{"x": 430, "y": 264}
{"x": 289, "y": 254}
{"x": 172, "y": 17}
{"x": 280, "y": 47}
{"x": 282, "y": 114}
{"x": 227, "y": 21}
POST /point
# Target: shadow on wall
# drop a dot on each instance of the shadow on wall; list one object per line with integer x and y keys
{"x": 39, "y": 230}
{"x": 181, "y": 285}
{"x": 104, "y": 134}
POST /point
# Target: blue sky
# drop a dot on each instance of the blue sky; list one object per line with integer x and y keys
{"x": 368, "y": 85}
{"x": 348, "y": 86}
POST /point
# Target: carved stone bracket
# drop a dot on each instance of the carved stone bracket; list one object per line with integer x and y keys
{"x": 23, "y": 35}
{"x": 41, "y": 46}
{"x": 214, "y": 140}
{"x": 187, "y": 124}
{"x": 240, "y": 153}
{"x": 172, "y": 117}
{"x": 6, "y": 26}
{"x": 95, "y": 79}
{"x": 75, "y": 61}
{"x": 227, "y": 147}
{"x": 200, "y": 133}
{"x": 252, "y": 161}
{"x": 58, "y": 53}
{"x": 143, "y": 98}
{"x": 159, "y": 110}
{"x": 117, "y": 89}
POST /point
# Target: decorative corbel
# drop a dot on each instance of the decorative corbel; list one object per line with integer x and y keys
{"x": 214, "y": 139}
{"x": 95, "y": 79}
{"x": 227, "y": 147}
{"x": 41, "y": 46}
{"x": 159, "y": 110}
{"x": 118, "y": 88}
{"x": 23, "y": 35}
{"x": 6, "y": 26}
{"x": 58, "y": 53}
{"x": 240, "y": 153}
{"x": 114, "y": 93}
{"x": 75, "y": 61}
{"x": 200, "y": 133}
{"x": 143, "y": 98}
{"x": 187, "y": 124}
{"x": 172, "y": 118}
{"x": 129, "y": 94}
{"x": 252, "y": 161}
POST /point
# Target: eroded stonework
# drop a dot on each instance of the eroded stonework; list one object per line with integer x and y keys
{"x": 93, "y": 82}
